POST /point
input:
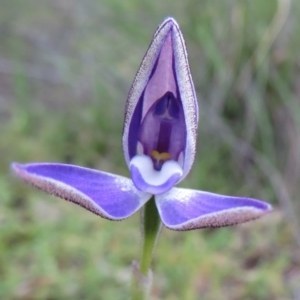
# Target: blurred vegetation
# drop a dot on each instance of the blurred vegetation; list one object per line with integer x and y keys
{"x": 65, "y": 70}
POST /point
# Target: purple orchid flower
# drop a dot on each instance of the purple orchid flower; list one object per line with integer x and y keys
{"x": 159, "y": 144}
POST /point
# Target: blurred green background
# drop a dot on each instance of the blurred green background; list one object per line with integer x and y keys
{"x": 66, "y": 67}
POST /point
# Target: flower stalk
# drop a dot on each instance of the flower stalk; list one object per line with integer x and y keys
{"x": 141, "y": 272}
{"x": 151, "y": 228}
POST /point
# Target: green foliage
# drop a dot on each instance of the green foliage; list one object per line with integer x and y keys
{"x": 65, "y": 71}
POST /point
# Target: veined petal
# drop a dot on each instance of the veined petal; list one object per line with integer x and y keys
{"x": 147, "y": 179}
{"x": 110, "y": 196}
{"x": 185, "y": 209}
{"x": 163, "y": 84}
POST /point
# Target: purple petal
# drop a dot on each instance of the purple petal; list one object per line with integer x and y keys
{"x": 147, "y": 179}
{"x": 184, "y": 209}
{"x": 164, "y": 73}
{"x": 110, "y": 196}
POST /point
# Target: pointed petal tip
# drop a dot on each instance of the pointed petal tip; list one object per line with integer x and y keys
{"x": 170, "y": 19}
{"x": 168, "y": 22}
{"x": 268, "y": 208}
{"x": 16, "y": 168}
{"x": 14, "y": 165}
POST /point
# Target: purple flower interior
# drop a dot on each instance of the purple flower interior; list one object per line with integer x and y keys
{"x": 162, "y": 132}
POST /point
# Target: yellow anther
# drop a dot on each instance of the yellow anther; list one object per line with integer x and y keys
{"x": 161, "y": 156}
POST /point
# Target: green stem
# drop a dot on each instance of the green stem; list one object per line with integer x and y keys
{"x": 151, "y": 226}
{"x": 141, "y": 272}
